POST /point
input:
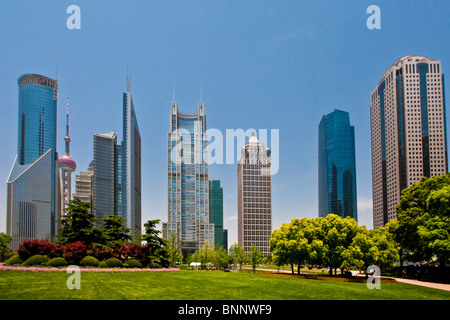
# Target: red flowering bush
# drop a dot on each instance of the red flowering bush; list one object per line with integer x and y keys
{"x": 29, "y": 248}
{"x": 102, "y": 254}
{"x": 74, "y": 252}
{"x": 134, "y": 251}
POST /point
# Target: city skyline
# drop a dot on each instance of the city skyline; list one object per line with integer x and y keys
{"x": 267, "y": 61}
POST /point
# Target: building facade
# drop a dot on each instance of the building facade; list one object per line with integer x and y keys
{"x": 254, "y": 196}
{"x": 337, "y": 170}
{"x": 129, "y": 193}
{"x": 188, "y": 184}
{"x": 33, "y": 187}
{"x": 83, "y": 185}
{"x": 104, "y": 175}
{"x": 408, "y": 131}
{"x": 216, "y": 211}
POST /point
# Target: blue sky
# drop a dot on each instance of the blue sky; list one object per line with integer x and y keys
{"x": 259, "y": 64}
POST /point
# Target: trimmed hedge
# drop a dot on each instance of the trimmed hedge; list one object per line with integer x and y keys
{"x": 57, "y": 262}
{"x": 114, "y": 263}
{"x": 133, "y": 263}
{"x": 89, "y": 261}
{"x": 102, "y": 264}
{"x": 14, "y": 261}
{"x": 36, "y": 260}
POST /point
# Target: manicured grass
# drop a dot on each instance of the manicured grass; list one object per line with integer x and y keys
{"x": 193, "y": 285}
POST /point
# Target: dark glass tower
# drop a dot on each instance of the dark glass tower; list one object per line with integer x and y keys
{"x": 216, "y": 211}
{"x": 337, "y": 173}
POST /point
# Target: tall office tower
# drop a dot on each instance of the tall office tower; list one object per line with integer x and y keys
{"x": 216, "y": 211}
{"x": 33, "y": 188}
{"x": 337, "y": 172}
{"x": 225, "y": 239}
{"x": 188, "y": 187}
{"x": 83, "y": 185}
{"x": 104, "y": 177}
{"x": 67, "y": 165}
{"x": 130, "y": 189}
{"x": 408, "y": 130}
{"x": 254, "y": 196}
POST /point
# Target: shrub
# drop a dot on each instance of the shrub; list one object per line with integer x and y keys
{"x": 14, "y": 260}
{"x": 133, "y": 263}
{"x": 57, "y": 262}
{"x": 134, "y": 251}
{"x": 102, "y": 264}
{"x": 74, "y": 252}
{"x": 29, "y": 248}
{"x": 114, "y": 263}
{"x": 36, "y": 260}
{"x": 101, "y": 253}
{"x": 89, "y": 261}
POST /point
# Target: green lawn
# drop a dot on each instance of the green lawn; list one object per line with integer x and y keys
{"x": 192, "y": 285}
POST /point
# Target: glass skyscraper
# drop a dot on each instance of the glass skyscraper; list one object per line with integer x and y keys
{"x": 337, "y": 171}
{"x": 216, "y": 211}
{"x": 105, "y": 179}
{"x": 129, "y": 193}
{"x": 188, "y": 184}
{"x": 33, "y": 187}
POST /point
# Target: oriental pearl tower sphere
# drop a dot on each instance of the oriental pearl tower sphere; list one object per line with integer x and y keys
{"x": 67, "y": 165}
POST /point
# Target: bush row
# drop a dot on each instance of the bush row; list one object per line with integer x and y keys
{"x": 87, "y": 261}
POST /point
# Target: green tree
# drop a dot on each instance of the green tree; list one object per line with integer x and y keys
{"x": 338, "y": 234}
{"x": 5, "y": 251}
{"x": 387, "y": 248}
{"x": 115, "y": 232}
{"x": 173, "y": 247}
{"x": 238, "y": 255}
{"x": 255, "y": 256}
{"x": 362, "y": 252}
{"x": 220, "y": 257}
{"x": 157, "y": 246}
{"x": 423, "y": 216}
{"x": 206, "y": 255}
{"x": 78, "y": 225}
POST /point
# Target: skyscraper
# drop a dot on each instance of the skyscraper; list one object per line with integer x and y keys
{"x": 33, "y": 188}
{"x": 67, "y": 165}
{"x": 337, "y": 171}
{"x": 408, "y": 131}
{"x": 105, "y": 178}
{"x": 83, "y": 185}
{"x": 130, "y": 168}
{"x": 216, "y": 211}
{"x": 188, "y": 186}
{"x": 254, "y": 196}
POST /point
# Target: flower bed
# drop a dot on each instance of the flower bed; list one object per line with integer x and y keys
{"x": 50, "y": 269}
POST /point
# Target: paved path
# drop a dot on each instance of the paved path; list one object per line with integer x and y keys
{"x": 434, "y": 285}
{"x": 409, "y": 281}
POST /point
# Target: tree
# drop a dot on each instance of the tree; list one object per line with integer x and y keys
{"x": 255, "y": 256}
{"x": 387, "y": 248}
{"x": 238, "y": 255}
{"x": 220, "y": 257}
{"x": 115, "y": 232}
{"x": 206, "y": 255}
{"x": 173, "y": 247}
{"x": 338, "y": 234}
{"x": 423, "y": 216}
{"x": 362, "y": 252}
{"x": 158, "y": 254}
{"x": 78, "y": 225}
{"x": 5, "y": 239}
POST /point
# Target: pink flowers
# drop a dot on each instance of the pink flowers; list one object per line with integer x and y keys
{"x": 49, "y": 269}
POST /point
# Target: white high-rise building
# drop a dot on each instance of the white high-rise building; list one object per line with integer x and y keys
{"x": 254, "y": 196}
{"x": 408, "y": 131}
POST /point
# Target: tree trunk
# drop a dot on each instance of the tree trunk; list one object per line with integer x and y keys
{"x": 292, "y": 268}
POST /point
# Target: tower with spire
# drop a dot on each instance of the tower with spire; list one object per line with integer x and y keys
{"x": 67, "y": 165}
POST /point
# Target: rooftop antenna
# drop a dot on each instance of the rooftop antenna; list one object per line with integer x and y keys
{"x": 128, "y": 79}
{"x": 173, "y": 92}
{"x": 201, "y": 94}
